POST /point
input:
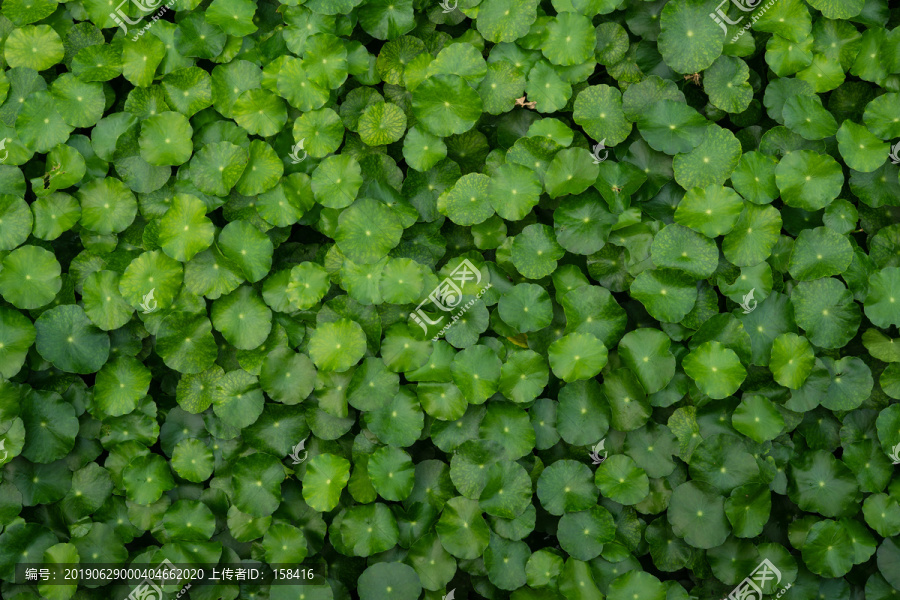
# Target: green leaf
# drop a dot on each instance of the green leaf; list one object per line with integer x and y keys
{"x": 446, "y": 105}
{"x": 146, "y": 478}
{"x": 861, "y": 150}
{"x": 505, "y": 20}
{"x": 598, "y": 109}
{"x": 818, "y": 482}
{"x": 337, "y": 346}
{"x": 583, "y": 534}
{"x": 646, "y": 352}
{"x": 569, "y": 39}
{"x": 36, "y": 47}
{"x": 826, "y": 310}
{"x": 621, "y": 480}
{"x": 216, "y": 168}
{"x": 672, "y": 127}
{"x": 689, "y": 40}
{"x": 644, "y": 584}
{"x": 792, "y": 360}
{"x": 393, "y": 580}
{"x": 30, "y": 277}
{"x": 461, "y": 528}
{"x": 185, "y": 230}
{"x": 678, "y": 247}
{"x": 68, "y": 339}
{"x": 717, "y": 370}
{"x": 120, "y": 384}
{"x": 17, "y": 334}
{"x": 696, "y": 511}
{"x": 758, "y": 418}
{"x": 535, "y": 251}
{"x": 526, "y": 307}
{"x": 713, "y": 210}
{"x": 725, "y": 82}
{"x": 808, "y": 180}
{"x": 577, "y": 356}
{"x": 566, "y": 486}
{"x": 753, "y": 237}
{"x": 257, "y": 482}
{"x": 367, "y": 230}
{"x": 381, "y": 123}
{"x": 668, "y": 295}
{"x": 243, "y": 318}
{"x": 711, "y": 162}
{"x": 881, "y": 304}
{"x": 838, "y": 10}
{"x": 467, "y": 202}
{"x": 806, "y": 116}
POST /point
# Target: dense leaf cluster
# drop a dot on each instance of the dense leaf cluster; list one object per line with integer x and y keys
{"x": 686, "y": 245}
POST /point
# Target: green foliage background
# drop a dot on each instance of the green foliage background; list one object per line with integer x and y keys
{"x": 290, "y": 180}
